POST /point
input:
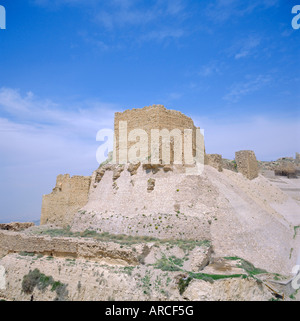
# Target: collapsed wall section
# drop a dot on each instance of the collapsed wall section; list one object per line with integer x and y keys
{"x": 67, "y": 197}
{"x": 214, "y": 160}
{"x": 15, "y": 242}
{"x": 297, "y": 158}
{"x": 16, "y": 226}
{"x": 247, "y": 163}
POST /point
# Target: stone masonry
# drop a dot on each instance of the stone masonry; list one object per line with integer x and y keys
{"x": 68, "y": 196}
{"x": 16, "y": 226}
{"x": 15, "y": 242}
{"x": 214, "y": 160}
{"x": 152, "y": 117}
{"x": 297, "y": 158}
{"x": 247, "y": 163}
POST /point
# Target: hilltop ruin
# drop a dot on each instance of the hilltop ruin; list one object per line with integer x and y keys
{"x": 71, "y": 194}
{"x": 142, "y": 218}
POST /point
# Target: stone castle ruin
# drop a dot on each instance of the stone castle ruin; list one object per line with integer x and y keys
{"x": 136, "y": 128}
{"x": 142, "y": 212}
{"x": 160, "y": 200}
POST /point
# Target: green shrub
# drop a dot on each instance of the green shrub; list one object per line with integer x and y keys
{"x": 37, "y": 279}
{"x": 247, "y": 266}
{"x": 176, "y": 260}
{"x": 183, "y": 284}
{"x": 166, "y": 264}
{"x": 295, "y": 230}
{"x": 27, "y": 254}
{"x": 30, "y": 281}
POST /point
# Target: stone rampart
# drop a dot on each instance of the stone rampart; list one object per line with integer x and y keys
{"x": 68, "y": 196}
{"x": 246, "y": 163}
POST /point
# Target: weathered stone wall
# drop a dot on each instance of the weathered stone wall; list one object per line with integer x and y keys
{"x": 153, "y": 117}
{"x": 68, "y": 196}
{"x": 16, "y": 226}
{"x": 247, "y": 163}
{"x": 14, "y": 242}
{"x": 214, "y": 160}
{"x": 71, "y": 194}
{"x": 297, "y": 158}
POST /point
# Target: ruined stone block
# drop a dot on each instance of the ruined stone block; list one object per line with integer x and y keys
{"x": 16, "y": 226}
{"x": 132, "y": 168}
{"x": 117, "y": 172}
{"x": 247, "y": 163}
{"x": 297, "y": 158}
{"x": 214, "y": 160}
{"x": 69, "y": 195}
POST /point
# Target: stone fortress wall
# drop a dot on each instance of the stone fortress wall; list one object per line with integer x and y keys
{"x": 67, "y": 197}
{"x": 73, "y": 193}
{"x": 214, "y": 160}
{"x": 72, "y": 247}
{"x": 247, "y": 163}
{"x": 149, "y": 118}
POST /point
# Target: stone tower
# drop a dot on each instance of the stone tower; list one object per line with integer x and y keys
{"x": 147, "y": 119}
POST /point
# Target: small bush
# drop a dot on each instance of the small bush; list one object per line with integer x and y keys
{"x": 44, "y": 281}
{"x": 176, "y": 260}
{"x": 166, "y": 264}
{"x": 30, "y": 281}
{"x": 247, "y": 266}
{"x": 183, "y": 284}
{"x": 295, "y": 230}
{"x": 37, "y": 279}
{"x": 61, "y": 292}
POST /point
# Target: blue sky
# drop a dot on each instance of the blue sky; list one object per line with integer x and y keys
{"x": 67, "y": 65}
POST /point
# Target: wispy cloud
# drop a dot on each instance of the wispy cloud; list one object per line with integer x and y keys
{"x": 246, "y": 47}
{"x": 94, "y": 40}
{"x": 164, "y": 34}
{"x": 46, "y": 121}
{"x": 119, "y": 14}
{"x": 250, "y": 85}
{"x": 33, "y": 110}
{"x": 222, "y": 10}
{"x": 40, "y": 139}
{"x": 51, "y": 3}
{"x": 211, "y": 68}
{"x": 255, "y": 132}
{"x": 157, "y": 20}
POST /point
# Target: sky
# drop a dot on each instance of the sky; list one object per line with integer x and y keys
{"x": 66, "y": 66}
